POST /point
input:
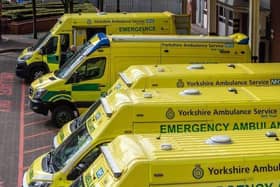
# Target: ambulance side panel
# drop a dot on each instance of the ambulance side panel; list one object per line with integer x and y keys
{"x": 125, "y": 54}
{"x": 214, "y": 173}
{"x": 191, "y": 160}
{"x": 204, "y": 52}
{"x": 86, "y": 91}
{"x": 139, "y": 170}
{"x": 206, "y": 117}
{"x": 118, "y": 123}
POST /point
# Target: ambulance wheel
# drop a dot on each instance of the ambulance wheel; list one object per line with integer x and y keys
{"x": 36, "y": 72}
{"x": 61, "y": 115}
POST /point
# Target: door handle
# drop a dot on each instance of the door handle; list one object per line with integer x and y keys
{"x": 101, "y": 85}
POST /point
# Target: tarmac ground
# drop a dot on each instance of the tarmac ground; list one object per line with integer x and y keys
{"x": 15, "y": 43}
{"x": 24, "y": 135}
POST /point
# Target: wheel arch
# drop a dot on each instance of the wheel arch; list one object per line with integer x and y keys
{"x": 37, "y": 64}
{"x": 66, "y": 103}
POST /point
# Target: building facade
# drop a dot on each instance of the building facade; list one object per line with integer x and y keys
{"x": 233, "y": 16}
{"x": 174, "y": 6}
{"x": 275, "y": 30}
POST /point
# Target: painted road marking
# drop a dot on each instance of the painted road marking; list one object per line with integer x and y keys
{"x": 40, "y": 134}
{"x": 28, "y": 125}
{"x": 21, "y": 135}
{"x": 37, "y": 149}
{"x": 35, "y": 122}
{"x": 29, "y": 113}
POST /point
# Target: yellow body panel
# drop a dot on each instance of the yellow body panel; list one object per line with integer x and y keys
{"x": 169, "y": 111}
{"x": 173, "y": 110}
{"x": 249, "y": 159}
{"x": 180, "y": 75}
{"x": 98, "y": 63}
{"x": 78, "y": 28}
{"x": 198, "y": 75}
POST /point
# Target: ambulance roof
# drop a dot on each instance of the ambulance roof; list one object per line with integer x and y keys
{"x": 177, "y": 71}
{"x": 234, "y": 38}
{"x": 198, "y": 146}
{"x": 173, "y": 96}
{"x": 121, "y": 15}
{"x": 171, "y": 38}
{"x": 175, "y": 158}
{"x": 85, "y": 19}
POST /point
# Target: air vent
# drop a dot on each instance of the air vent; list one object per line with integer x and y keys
{"x": 190, "y": 92}
{"x": 160, "y": 69}
{"x": 231, "y": 65}
{"x": 219, "y": 139}
{"x": 166, "y": 146}
{"x": 195, "y": 66}
{"x": 148, "y": 95}
{"x": 234, "y": 90}
{"x": 270, "y": 134}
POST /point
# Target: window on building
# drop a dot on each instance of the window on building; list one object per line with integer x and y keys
{"x": 221, "y": 14}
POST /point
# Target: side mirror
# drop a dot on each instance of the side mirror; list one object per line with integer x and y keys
{"x": 81, "y": 167}
{"x": 76, "y": 77}
{"x": 29, "y": 49}
{"x": 77, "y": 171}
{"x": 42, "y": 50}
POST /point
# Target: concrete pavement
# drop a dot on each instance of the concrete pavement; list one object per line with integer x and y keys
{"x": 11, "y": 43}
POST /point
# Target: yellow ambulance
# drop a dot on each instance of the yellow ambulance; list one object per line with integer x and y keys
{"x": 91, "y": 72}
{"x": 225, "y": 159}
{"x": 182, "y": 75}
{"x": 197, "y": 75}
{"x": 161, "y": 111}
{"x": 50, "y": 51}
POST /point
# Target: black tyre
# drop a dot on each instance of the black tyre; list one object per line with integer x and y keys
{"x": 61, "y": 115}
{"x": 36, "y": 72}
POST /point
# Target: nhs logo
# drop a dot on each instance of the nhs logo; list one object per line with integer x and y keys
{"x": 275, "y": 81}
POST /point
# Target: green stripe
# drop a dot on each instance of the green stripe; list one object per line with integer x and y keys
{"x": 86, "y": 87}
{"x": 88, "y": 180}
{"x": 50, "y": 95}
{"x": 52, "y": 59}
{"x": 61, "y": 97}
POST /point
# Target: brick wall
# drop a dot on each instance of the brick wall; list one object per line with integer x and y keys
{"x": 25, "y": 27}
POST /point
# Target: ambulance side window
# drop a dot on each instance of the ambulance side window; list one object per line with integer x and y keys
{"x": 51, "y": 45}
{"x": 64, "y": 43}
{"x": 92, "y": 69}
{"x": 84, "y": 163}
{"x": 64, "y": 40}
